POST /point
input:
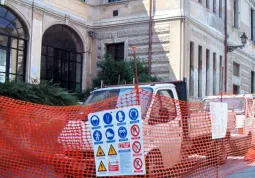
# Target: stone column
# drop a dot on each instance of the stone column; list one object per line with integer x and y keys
{"x": 230, "y": 73}
{"x": 203, "y": 72}
{"x": 217, "y": 73}
{"x": 210, "y": 89}
{"x": 196, "y": 69}
{"x": 34, "y": 66}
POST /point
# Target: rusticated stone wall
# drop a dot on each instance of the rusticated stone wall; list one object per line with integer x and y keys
{"x": 138, "y": 35}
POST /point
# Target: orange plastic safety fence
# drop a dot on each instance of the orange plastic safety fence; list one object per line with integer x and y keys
{"x": 45, "y": 141}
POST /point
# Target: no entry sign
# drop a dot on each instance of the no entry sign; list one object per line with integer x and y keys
{"x": 136, "y": 147}
{"x": 138, "y": 164}
{"x": 135, "y": 130}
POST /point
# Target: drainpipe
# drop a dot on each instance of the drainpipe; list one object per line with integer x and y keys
{"x": 150, "y": 38}
{"x": 226, "y": 45}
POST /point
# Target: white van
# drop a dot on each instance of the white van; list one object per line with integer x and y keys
{"x": 170, "y": 135}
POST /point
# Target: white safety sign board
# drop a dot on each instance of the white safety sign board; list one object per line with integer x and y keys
{"x": 117, "y": 137}
{"x": 219, "y": 119}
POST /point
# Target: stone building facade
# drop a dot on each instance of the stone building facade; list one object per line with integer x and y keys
{"x": 205, "y": 47}
{"x": 64, "y": 39}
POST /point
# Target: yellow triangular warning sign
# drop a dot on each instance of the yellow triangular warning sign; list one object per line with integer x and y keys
{"x": 101, "y": 167}
{"x": 112, "y": 151}
{"x": 100, "y": 152}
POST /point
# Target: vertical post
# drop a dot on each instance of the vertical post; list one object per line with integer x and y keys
{"x": 226, "y": 44}
{"x": 136, "y": 75}
{"x": 119, "y": 80}
{"x": 150, "y": 38}
{"x": 102, "y": 83}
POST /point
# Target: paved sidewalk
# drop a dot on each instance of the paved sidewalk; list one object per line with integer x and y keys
{"x": 245, "y": 173}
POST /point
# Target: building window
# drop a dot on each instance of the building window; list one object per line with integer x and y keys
{"x": 13, "y": 41}
{"x": 214, "y": 73}
{"x": 109, "y": 1}
{"x": 116, "y": 50}
{"x": 221, "y": 75}
{"x": 191, "y": 74}
{"x": 220, "y": 8}
{"x": 252, "y": 25}
{"x": 207, "y": 72}
{"x": 200, "y": 58}
{"x": 214, "y": 6}
{"x": 236, "y": 14}
{"x": 207, "y": 5}
{"x": 236, "y": 89}
{"x": 61, "y": 59}
{"x": 236, "y": 69}
{"x": 252, "y": 82}
{"x": 115, "y": 13}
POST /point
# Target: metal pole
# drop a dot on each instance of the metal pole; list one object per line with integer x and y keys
{"x": 226, "y": 44}
{"x": 150, "y": 38}
{"x": 136, "y": 75}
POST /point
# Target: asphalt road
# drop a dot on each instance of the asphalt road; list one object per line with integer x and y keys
{"x": 235, "y": 167}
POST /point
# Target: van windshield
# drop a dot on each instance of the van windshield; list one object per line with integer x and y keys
{"x": 145, "y": 97}
{"x": 236, "y": 104}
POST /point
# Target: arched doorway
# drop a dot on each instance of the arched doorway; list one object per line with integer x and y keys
{"x": 62, "y": 57}
{"x": 13, "y": 41}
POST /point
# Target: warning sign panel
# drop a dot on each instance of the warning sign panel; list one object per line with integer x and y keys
{"x": 100, "y": 152}
{"x": 112, "y": 151}
{"x": 101, "y": 167}
{"x": 118, "y": 142}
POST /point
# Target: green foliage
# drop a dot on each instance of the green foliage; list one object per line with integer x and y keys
{"x": 43, "y": 93}
{"x": 120, "y": 72}
{"x": 84, "y": 94}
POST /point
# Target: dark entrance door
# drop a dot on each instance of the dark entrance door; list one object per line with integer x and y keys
{"x": 61, "y": 60}
{"x": 62, "y": 66}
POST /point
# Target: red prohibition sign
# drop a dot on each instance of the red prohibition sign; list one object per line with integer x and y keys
{"x": 138, "y": 163}
{"x": 136, "y": 147}
{"x": 135, "y": 130}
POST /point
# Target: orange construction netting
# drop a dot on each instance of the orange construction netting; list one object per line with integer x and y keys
{"x": 44, "y": 141}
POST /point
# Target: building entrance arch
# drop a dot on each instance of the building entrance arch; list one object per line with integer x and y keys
{"x": 13, "y": 43}
{"x": 61, "y": 60}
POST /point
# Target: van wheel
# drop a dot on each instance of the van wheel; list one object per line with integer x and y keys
{"x": 154, "y": 163}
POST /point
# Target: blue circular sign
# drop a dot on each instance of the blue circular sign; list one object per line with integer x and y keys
{"x": 133, "y": 114}
{"x": 107, "y": 118}
{"x": 97, "y": 135}
{"x": 94, "y": 120}
{"x": 122, "y": 132}
{"x": 109, "y": 134}
{"x": 120, "y": 115}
